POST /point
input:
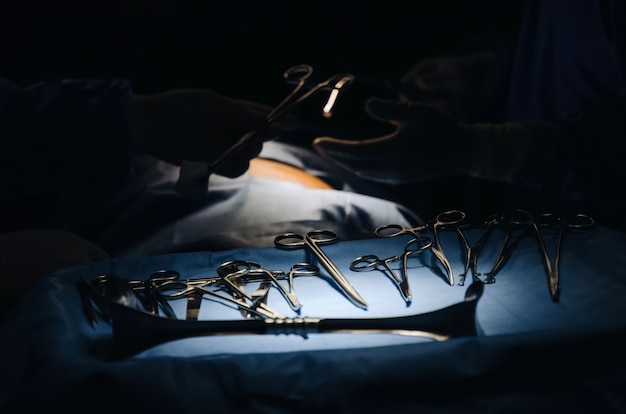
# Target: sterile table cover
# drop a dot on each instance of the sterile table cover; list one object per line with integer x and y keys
{"x": 532, "y": 354}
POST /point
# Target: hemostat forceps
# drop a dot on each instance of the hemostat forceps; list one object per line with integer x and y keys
{"x": 311, "y": 241}
{"x": 195, "y": 289}
{"x": 512, "y": 220}
{"x": 371, "y": 262}
{"x": 145, "y": 294}
{"x": 298, "y": 75}
{"x": 445, "y": 220}
{"x": 532, "y": 226}
{"x": 563, "y": 224}
{"x": 230, "y": 272}
{"x": 471, "y": 259}
{"x": 275, "y": 276}
{"x": 304, "y": 89}
{"x": 289, "y": 294}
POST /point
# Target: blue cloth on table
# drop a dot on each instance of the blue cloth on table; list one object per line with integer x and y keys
{"x": 532, "y": 355}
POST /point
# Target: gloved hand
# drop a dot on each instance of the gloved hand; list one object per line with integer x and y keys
{"x": 198, "y": 125}
{"x": 465, "y": 86}
{"x": 427, "y": 144}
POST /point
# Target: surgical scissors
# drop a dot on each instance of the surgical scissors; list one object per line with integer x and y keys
{"x": 312, "y": 241}
{"x": 371, "y": 262}
{"x": 444, "y": 220}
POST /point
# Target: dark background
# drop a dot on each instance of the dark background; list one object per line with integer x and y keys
{"x": 241, "y": 48}
{"x": 236, "y": 47}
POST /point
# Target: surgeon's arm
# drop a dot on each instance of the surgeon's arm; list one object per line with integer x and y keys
{"x": 578, "y": 157}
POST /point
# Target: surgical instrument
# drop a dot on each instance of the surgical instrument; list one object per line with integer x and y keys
{"x": 298, "y": 269}
{"x": 444, "y": 220}
{"x": 371, "y": 262}
{"x": 183, "y": 288}
{"x": 274, "y": 276}
{"x": 289, "y": 294}
{"x": 237, "y": 269}
{"x": 230, "y": 272}
{"x": 469, "y": 255}
{"x": 142, "y": 293}
{"x": 312, "y": 241}
{"x": 135, "y": 331}
{"x": 512, "y": 220}
{"x": 104, "y": 290}
{"x": 298, "y": 75}
{"x": 473, "y": 251}
{"x": 532, "y": 225}
{"x": 195, "y": 289}
{"x": 562, "y": 224}
{"x": 151, "y": 299}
